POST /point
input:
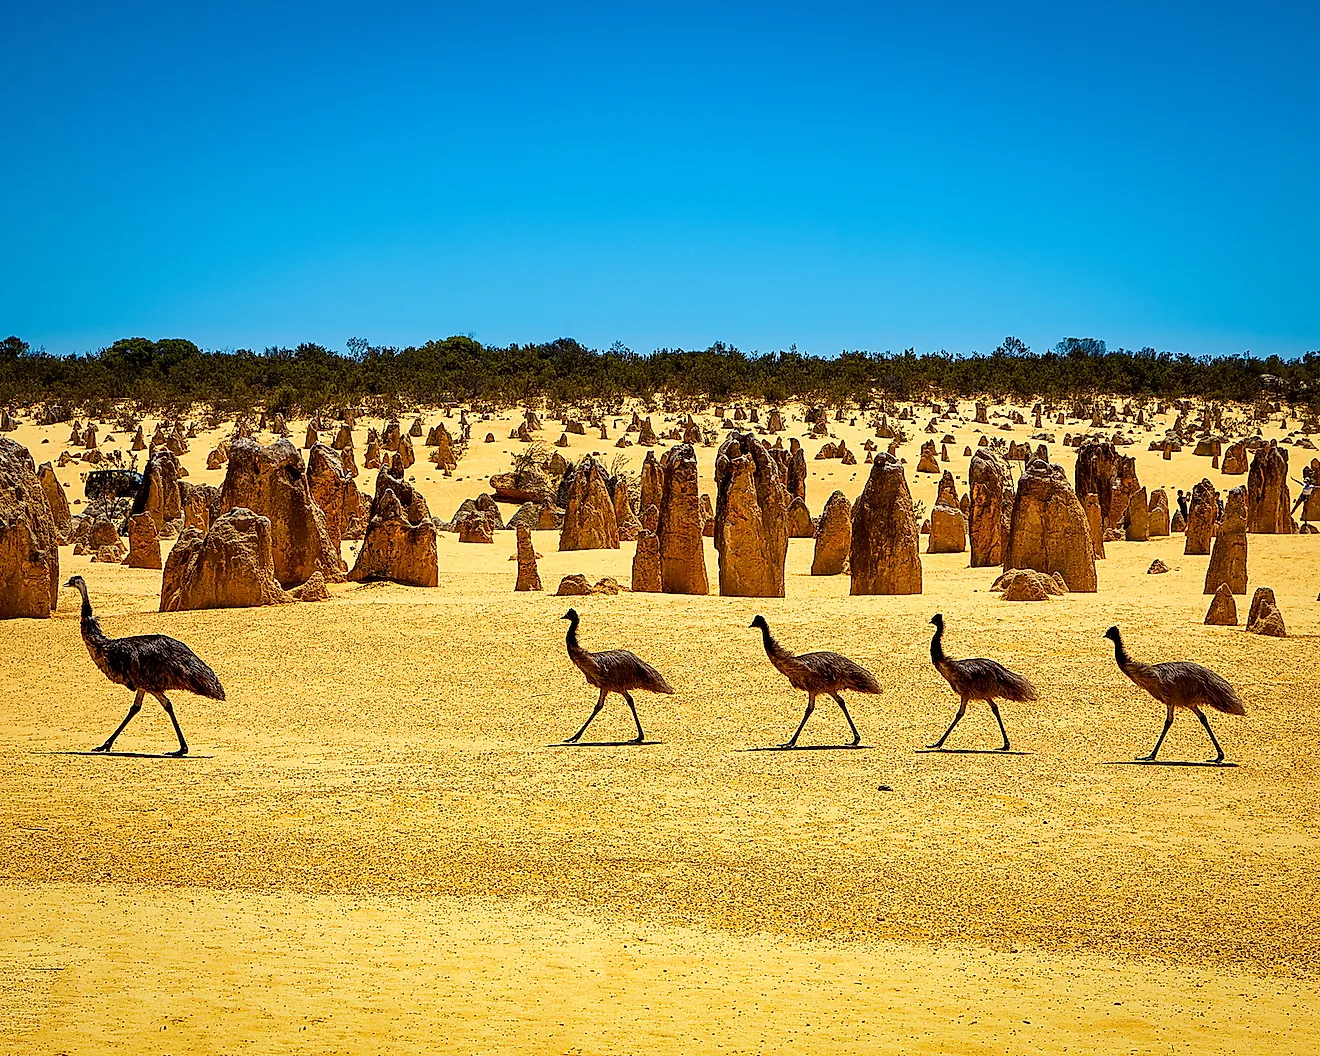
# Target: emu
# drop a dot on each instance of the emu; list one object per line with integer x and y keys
{"x": 613, "y": 671}
{"x": 817, "y": 673}
{"x": 977, "y": 679}
{"x": 1179, "y": 684}
{"x": 145, "y": 663}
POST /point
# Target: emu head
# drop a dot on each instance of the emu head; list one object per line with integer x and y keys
{"x": 1112, "y": 634}
{"x": 571, "y": 614}
{"x": 76, "y": 582}
{"x": 759, "y": 621}
{"x": 938, "y": 621}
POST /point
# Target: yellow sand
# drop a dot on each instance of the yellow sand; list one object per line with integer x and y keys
{"x": 376, "y": 844}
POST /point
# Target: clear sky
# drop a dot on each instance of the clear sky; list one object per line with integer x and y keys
{"x": 871, "y": 176}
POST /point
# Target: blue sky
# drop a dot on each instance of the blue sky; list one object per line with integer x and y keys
{"x": 851, "y": 176}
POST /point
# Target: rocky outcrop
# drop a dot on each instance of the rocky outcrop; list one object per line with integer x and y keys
{"x": 1136, "y": 521}
{"x": 1228, "y": 559}
{"x": 589, "y": 520}
{"x": 159, "y": 494}
{"x": 948, "y": 530}
{"x": 680, "y": 523}
{"x": 29, "y": 539}
{"x": 624, "y": 518}
{"x": 929, "y": 462}
{"x": 57, "y": 501}
{"x": 1095, "y": 473}
{"x": 1049, "y": 530}
{"x": 273, "y": 482}
{"x": 1264, "y": 616}
{"x": 1269, "y": 500}
{"x": 1223, "y": 609}
{"x": 798, "y": 522}
{"x": 646, "y": 558}
{"x": 313, "y": 590}
{"x": 143, "y": 542}
{"x": 1202, "y": 512}
{"x": 991, "y": 507}
{"x": 229, "y": 566}
{"x": 751, "y": 535}
{"x": 395, "y": 547}
{"x": 528, "y": 576}
{"x": 1159, "y": 513}
{"x": 1235, "y": 459}
{"x": 333, "y": 491}
{"x": 884, "y": 555}
{"x": 833, "y": 537}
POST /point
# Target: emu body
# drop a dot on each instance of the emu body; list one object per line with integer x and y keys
{"x": 612, "y": 671}
{"x": 145, "y": 663}
{"x": 1179, "y": 684}
{"x": 815, "y": 674}
{"x": 977, "y": 679}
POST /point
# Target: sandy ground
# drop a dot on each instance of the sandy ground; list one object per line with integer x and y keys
{"x": 378, "y": 845}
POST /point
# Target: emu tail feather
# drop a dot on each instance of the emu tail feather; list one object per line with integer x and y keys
{"x": 1016, "y": 687}
{"x": 1221, "y": 696}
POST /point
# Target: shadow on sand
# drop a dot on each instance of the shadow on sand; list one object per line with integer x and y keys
{"x": 131, "y": 755}
{"x": 1168, "y": 762}
{"x": 809, "y": 748}
{"x": 603, "y": 744}
{"x": 968, "y": 751}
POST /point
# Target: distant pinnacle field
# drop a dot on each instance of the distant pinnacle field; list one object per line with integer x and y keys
{"x": 378, "y": 843}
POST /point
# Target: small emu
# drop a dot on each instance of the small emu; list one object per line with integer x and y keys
{"x": 817, "y": 673}
{"x": 977, "y": 679}
{"x": 146, "y": 663}
{"x": 613, "y": 671}
{"x": 1179, "y": 684}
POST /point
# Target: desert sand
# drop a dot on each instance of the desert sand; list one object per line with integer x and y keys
{"x": 377, "y": 843}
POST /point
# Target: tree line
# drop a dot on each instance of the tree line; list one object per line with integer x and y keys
{"x": 174, "y": 373}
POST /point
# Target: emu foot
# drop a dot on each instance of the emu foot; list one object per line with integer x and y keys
{"x": 102, "y": 748}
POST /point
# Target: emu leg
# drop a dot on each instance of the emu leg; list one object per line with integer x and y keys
{"x": 811, "y": 706}
{"x": 1219, "y": 752}
{"x": 962, "y": 710}
{"x": 169, "y": 710}
{"x": 994, "y": 708}
{"x": 594, "y": 712}
{"x": 640, "y": 735}
{"x": 1168, "y": 721}
{"x": 857, "y": 737}
{"x": 133, "y": 710}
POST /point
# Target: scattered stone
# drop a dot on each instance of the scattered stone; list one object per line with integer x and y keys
{"x": 929, "y": 461}
{"x": 313, "y": 590}
{"x": 528, "y": 576}
{"x": 1157, "y": 567}
{"x": 1223, "y": 609}
{"x": 1264, "y": 616}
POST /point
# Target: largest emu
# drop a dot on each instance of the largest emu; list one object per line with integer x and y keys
{"x": 145, "y": 663}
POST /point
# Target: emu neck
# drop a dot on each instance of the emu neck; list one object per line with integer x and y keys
{"x": 91, "y": 627}
{"x": 772, "y": 648}
{"x": 1120, "y": 654}
{"x": 571, "y": 639}
{"x": 937, "y": 646}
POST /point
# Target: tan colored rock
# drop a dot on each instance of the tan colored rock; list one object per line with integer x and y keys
{"x": 1235, "y": 459}
{"x": 798, "y": 521}
{"x": 885, "y": 557}
{"x": 143, "y": 542}
{"x": 1094, "y": 520}
{"x": 990, "y": 507}
{"x": 139, "y": 440}
{"x": 751, "y": 535}
{"x": 229, "y": 566}
{"x": 528, "y": 576}
{"x": 624, "y": 517}
{"x": 333, "y": 491}
{"x": 1202, "y": 512}
{"x": 1049, "y": 530}
{"x": 1269, "y": 499}
{"x": 57, "y": 502}
{"x": 1159, "y": 513}
{"x": 646, "y": 559}
{"x": 1157, "y": 567}
{"x": 948, "y": 530}
{"x": 394, "y": 547}
{"x": 29, "y": 538}
{"x": 1228, "y": 558}
{"x": 574, "y": 586}
{"x": 312, "y": 439}
{"x": 929, "y": 461}
{"x": 1026, "y": 587}
{"x": 272, "y": 481}
{"x": 589, "y": 520}
{"x": 833, "y": 537}
{"x": 160, "y": 483}
{"x": 313, "y": 590}
{"x": 1223, "y": 609}
{"x": 1136, "y": 520}
{"x": 680, "y": 524}
{"x": 1264, "y": 616}
{"x": 646, "y": 436}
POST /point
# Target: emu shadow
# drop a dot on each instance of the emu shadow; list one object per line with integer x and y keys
{"x": 970, "y": 751}
{"x": 1169, "y": 762}
{"x": 129, "y": 755}
{"x": 603, "y": 744}
{"x": 809, "y": 748}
